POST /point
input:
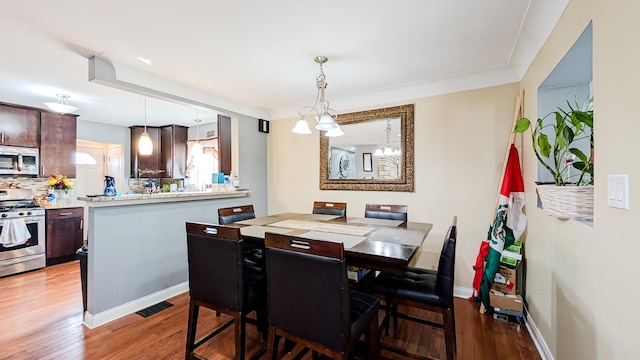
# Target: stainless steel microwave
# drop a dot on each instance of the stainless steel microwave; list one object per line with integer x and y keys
{"x": 16, "y": 160}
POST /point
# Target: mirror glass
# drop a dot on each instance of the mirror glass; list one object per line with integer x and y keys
{"x": 375, "y": 152}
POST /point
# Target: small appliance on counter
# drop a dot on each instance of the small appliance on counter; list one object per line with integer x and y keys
{"x": 109, "y": 186}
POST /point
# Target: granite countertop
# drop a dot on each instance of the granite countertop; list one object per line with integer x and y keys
{"x": 133, "y": 199}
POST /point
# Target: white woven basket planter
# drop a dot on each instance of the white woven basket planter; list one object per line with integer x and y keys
{"x": 567, "y": 202}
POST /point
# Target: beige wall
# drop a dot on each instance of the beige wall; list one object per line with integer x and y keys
{"x": 581, "y": 289}
{"x": 460, "y": 141}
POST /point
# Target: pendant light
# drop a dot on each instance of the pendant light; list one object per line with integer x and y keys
{"x": 196, "y": 149}
{"x": 145, "y": 146}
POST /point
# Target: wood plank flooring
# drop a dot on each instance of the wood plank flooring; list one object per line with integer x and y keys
{"x": 41, "y": 317}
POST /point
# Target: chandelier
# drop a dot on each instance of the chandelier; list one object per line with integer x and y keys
{"x": 62, "y": 106}
{"x": 326, "y": 117}
{"x": 389, "y": 148}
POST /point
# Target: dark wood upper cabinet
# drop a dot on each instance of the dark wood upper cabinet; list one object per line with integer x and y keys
{"x": 19, "y": 126}
{"x": 57, "y": 144}
{"x": 145, "y": 162}
{"x": 173, "y": 157}
{"x": 224, "y": 144}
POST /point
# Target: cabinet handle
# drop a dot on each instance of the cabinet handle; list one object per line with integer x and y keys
{"x": 43, "y": 173}
{"x": 65, "y": 214}
{"x": 2, "y": 136}
{"x": 81, "y": 224}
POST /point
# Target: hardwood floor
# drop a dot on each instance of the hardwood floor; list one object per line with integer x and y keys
{"x": 41, "y": 316}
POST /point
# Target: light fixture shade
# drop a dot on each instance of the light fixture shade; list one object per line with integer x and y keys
{"x": 387, "y": 151}
{"x": 334, "y": 132}
{"x": 145, "y": 146}
{"x": 326, "y": 123}
{"x": 378, "y": 152}
{"x": 62, "y": 106}
{"x": 196, "y": 149}
{"x": 302, "y": 127}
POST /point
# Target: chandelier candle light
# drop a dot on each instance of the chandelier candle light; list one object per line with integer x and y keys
{"x": 145, "y": 146}
{"x": 62, "y": 106}
{"x": 326, "y": 117}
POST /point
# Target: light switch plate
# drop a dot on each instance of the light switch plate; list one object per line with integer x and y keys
{"x": 618, "y": 191}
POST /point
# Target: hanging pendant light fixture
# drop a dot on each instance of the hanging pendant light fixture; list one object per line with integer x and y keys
{"x": 326, "y": 117}
{"x": 196, "y": 149}
{"x": 62, "y": 106}
{"x": 145, "y": 146}
{"x": 388, "y": 148}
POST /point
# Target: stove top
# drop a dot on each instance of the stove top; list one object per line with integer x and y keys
{"x": 16, "y": 200}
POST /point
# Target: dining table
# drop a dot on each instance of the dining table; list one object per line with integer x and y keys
{"x": 371, "y": 243}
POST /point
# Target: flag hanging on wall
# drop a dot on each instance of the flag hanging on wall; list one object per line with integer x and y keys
{"x": 508, "y": 225}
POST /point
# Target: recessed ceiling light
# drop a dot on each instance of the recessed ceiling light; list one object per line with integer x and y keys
{"x": 146, "y": 61}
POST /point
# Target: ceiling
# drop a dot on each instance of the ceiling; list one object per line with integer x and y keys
{"x": 256, "y": 58}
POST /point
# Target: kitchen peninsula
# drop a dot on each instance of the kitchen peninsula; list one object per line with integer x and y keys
{"x": 138, "y": 250}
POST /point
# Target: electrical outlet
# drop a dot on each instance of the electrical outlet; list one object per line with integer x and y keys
{"x": 618, "y": 191}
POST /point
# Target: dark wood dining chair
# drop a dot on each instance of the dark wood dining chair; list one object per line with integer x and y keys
{"x": 390, "y": 212}
{"x": 219, "y": 279}
{"x": 235, "y": 213}
{"x": 310, "y": 302}
{"x": 330, "y": 208}
{"x": 229, "y": 215}
{"x": 423, "y": 289}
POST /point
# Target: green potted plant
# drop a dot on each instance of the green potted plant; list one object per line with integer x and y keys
{"x": 571, "y": 168}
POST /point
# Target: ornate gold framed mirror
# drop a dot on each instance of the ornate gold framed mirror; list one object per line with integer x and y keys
{"x": 374, "y": 154}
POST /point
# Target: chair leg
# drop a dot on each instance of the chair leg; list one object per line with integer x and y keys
{"x": 272, "y": 344}
{"x": 394, "y": 310}
{"x": 239, "y": 326}
{"x": 449, "y": 336}
{"x": 387, "y": 316}
{"x": 453, "y": 321}
{"x": 374, "y": 339}
{"x": 191, "y": 327}
{"x": 217, "y": 313}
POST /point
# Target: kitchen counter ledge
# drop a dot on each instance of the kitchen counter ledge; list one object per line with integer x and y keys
{"x": 137, "y": 199}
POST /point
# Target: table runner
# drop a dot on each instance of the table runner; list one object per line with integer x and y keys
{"x": 324, "y": 227}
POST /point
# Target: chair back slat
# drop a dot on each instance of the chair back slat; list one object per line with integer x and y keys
{"x": 330, "y": 208}
{"x": 236, "y": 213}
{"x": 389, "y": 212}
{"x": 216, "y": 265}
{"x": 308, "y": 290}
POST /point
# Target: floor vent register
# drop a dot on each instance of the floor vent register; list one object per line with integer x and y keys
{"x": 154, "y": 309}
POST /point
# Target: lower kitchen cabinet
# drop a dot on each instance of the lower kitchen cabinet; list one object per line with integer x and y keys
{"x": 64, "y": 234}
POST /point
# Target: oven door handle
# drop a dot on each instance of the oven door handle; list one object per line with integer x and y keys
{"x": 20, "y": 163}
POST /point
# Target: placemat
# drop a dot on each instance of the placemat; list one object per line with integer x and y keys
{"x": 324, "y": 227}
{"x": 348, "y": 241}
{"x": 258, "y": 231}
{"x": 374, "y": 221}
{"x": 324, "y": 217}
{"x": 398, "y": 236}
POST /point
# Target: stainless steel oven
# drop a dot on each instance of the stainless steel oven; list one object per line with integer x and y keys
{"x": 17, "y": 205}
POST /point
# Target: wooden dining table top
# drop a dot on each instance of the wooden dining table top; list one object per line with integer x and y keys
{"x": 385, "y": 245}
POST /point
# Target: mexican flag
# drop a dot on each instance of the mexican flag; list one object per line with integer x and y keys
{"x": 507, "y": 227}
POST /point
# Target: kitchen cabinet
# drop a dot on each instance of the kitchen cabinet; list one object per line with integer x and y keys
{"x": 57, "y": 144}
{"x": 169, "y": 155}
{"x": 224, "y": 144}
{"x": 19, "y": 126}
{"x": 145, "y": 162}
{"x": 64, "y": 233}
{"x": 173, "y": 155}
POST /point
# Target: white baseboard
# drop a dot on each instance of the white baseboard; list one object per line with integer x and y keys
{"x": 462, "y": 292}
{"x": 537, "y": 338}
{"x": 93, "y": 321}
